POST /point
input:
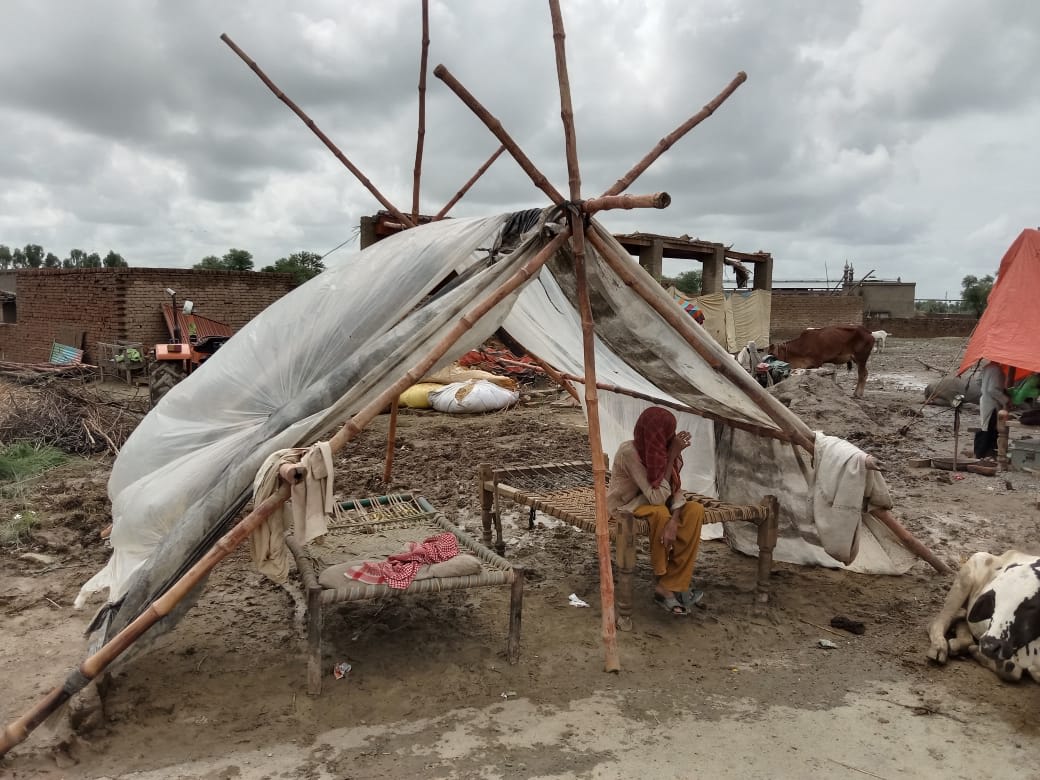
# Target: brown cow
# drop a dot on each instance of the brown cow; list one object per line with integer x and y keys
{"x": 833, "y": 344}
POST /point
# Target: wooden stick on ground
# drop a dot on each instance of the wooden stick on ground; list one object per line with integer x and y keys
{"x": 422, "y": 109}
{"x": 317, "y": 131}
{"x": 465, "y": 187}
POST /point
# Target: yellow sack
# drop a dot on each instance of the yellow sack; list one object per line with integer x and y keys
{"x": 418, "y": 396}
{"x": 456, "y": 373}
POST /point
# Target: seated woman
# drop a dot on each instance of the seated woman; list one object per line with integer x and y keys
{"x": 645, "y": 481}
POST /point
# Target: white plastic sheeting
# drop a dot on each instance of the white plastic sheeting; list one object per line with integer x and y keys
{"x": 322, "y": 352}
{"x": 750, "y": 468}
{"x": 307, "y": 362}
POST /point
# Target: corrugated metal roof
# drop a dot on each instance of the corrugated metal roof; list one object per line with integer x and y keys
{"x": 204, "y": 326}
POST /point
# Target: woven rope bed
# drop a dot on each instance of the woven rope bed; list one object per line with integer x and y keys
{"x": 565, "y": 491}
{"x": 374, "y": 528}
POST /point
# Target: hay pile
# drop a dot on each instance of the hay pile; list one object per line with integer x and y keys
{"x": 64, "y": 412}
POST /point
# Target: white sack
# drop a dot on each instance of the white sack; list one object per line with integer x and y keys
{"x": 472, "y": 397}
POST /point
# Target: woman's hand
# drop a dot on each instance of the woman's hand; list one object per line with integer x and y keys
{"x": 669, "y": 532}
{"x": 680, "y": 442}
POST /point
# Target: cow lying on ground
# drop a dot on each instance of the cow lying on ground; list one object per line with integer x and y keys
{"x": 880, "y": 336}
{"x": 993, "y": 613}
{"x": 833, "y": 344}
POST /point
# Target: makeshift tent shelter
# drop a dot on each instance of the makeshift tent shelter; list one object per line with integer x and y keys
{"x": 364, "y": 330}
{"x": 1009, "y": 330}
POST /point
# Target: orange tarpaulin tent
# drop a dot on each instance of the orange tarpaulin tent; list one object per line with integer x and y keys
{"x": 1009, "y": 331}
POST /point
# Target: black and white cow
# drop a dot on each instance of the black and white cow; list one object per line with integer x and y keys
{"x": 993, "y": 613}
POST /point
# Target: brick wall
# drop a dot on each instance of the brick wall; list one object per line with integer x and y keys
{"x": 232, "y": 297}
{"x": 924, "y": 327}
{"x": 124, "y": 303}
{"x": 53, "y": 302}
{"x": 792, "y": 313}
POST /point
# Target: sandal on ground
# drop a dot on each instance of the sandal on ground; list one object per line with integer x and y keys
{"x": 690, "y": 598}
{"x": 671, "y": 604}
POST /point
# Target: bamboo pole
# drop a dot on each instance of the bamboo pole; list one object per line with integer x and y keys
{"x": 17, "y": 731}
{"x": 665, "y": 143}
{"x": 656, "y": 200}
{"x": 612, "y": 662}
{"x": 356, "y": 424}
{"x": 465, "y": 187}
{"x": 743, "y": 426}
{"x": 495, "y": 126}
{"x": 391, "y": 437}
{"x": 908, "y": 539}
{"x": 550, "y": 372}
{"x": 424, "y": 58}
{"x": 570, "y": 139}
{"x": 707, "y": 348}
{"x": 317, "y": 131}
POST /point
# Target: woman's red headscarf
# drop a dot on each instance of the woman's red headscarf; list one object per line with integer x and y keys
{"x": 654, "y": 432}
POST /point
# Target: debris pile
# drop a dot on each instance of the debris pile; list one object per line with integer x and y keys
{"x": 55, "y": 409}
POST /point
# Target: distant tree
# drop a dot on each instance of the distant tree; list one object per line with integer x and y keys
{"x": 51, "y": 261}
{"x": 302, "y": 265}
{"x": 93, "y": 260}
{"x": 75, "y": 259}
{"x": 18, "y": 259}
{"x": 233, "y": 260}
{"x": 688, "y": 282}
{"x": 113, "y": 260}
{"x": 5, "y": 257}
{"x": 33, "y": 255}
{"x": 975, "y": 292}
{"x": 209, "y": 263}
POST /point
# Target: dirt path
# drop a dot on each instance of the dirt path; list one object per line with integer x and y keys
{"x": 725, "y": 693}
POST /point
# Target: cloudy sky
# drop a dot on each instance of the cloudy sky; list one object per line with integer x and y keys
{"x": 900, "y": 136}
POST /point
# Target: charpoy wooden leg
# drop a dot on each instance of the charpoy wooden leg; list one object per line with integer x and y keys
{"x": 483, "y": 477}
{"x": 516, "y": 608}
{"x": 767, "y": 533}
{"x": 314, "y": 626}
{"x": 625, "y": 555}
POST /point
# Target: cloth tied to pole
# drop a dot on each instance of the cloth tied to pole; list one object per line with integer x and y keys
{"x": 306, "y": 512}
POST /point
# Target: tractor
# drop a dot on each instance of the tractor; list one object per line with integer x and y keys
{"x": 193, "y": 339}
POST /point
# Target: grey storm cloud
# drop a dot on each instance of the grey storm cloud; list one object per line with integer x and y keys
{"x": 889, "y": 133}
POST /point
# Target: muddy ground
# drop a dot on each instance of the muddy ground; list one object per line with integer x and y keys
{"x": 724, "y": 693}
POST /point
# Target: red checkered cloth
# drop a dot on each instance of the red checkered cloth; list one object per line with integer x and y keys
{"x": 400, "y": 569}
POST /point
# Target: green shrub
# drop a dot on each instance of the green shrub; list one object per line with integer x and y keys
{"x": 22, "y": 460}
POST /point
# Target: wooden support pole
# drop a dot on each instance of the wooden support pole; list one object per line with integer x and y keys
{"x": 391, "y": 437}
{"x": 17, "y": 731}
{"x": 909, "y": 540}
{"x": 356, "y": 424}
{"x": 424, "y": 58}
{"x": 516, "y": 611}
{"x": 665, "y": 143}
{"x": 95, "y": 664}
{"x": 656, "y": 200}
{"x": 495, "y": 126}
{"x": 465, "y": 187}
{"x": 705, "y": 345}
{"x": 612, "y": 662}
{"x": 317, "y": 131}
{"x": 758, "y": 430}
